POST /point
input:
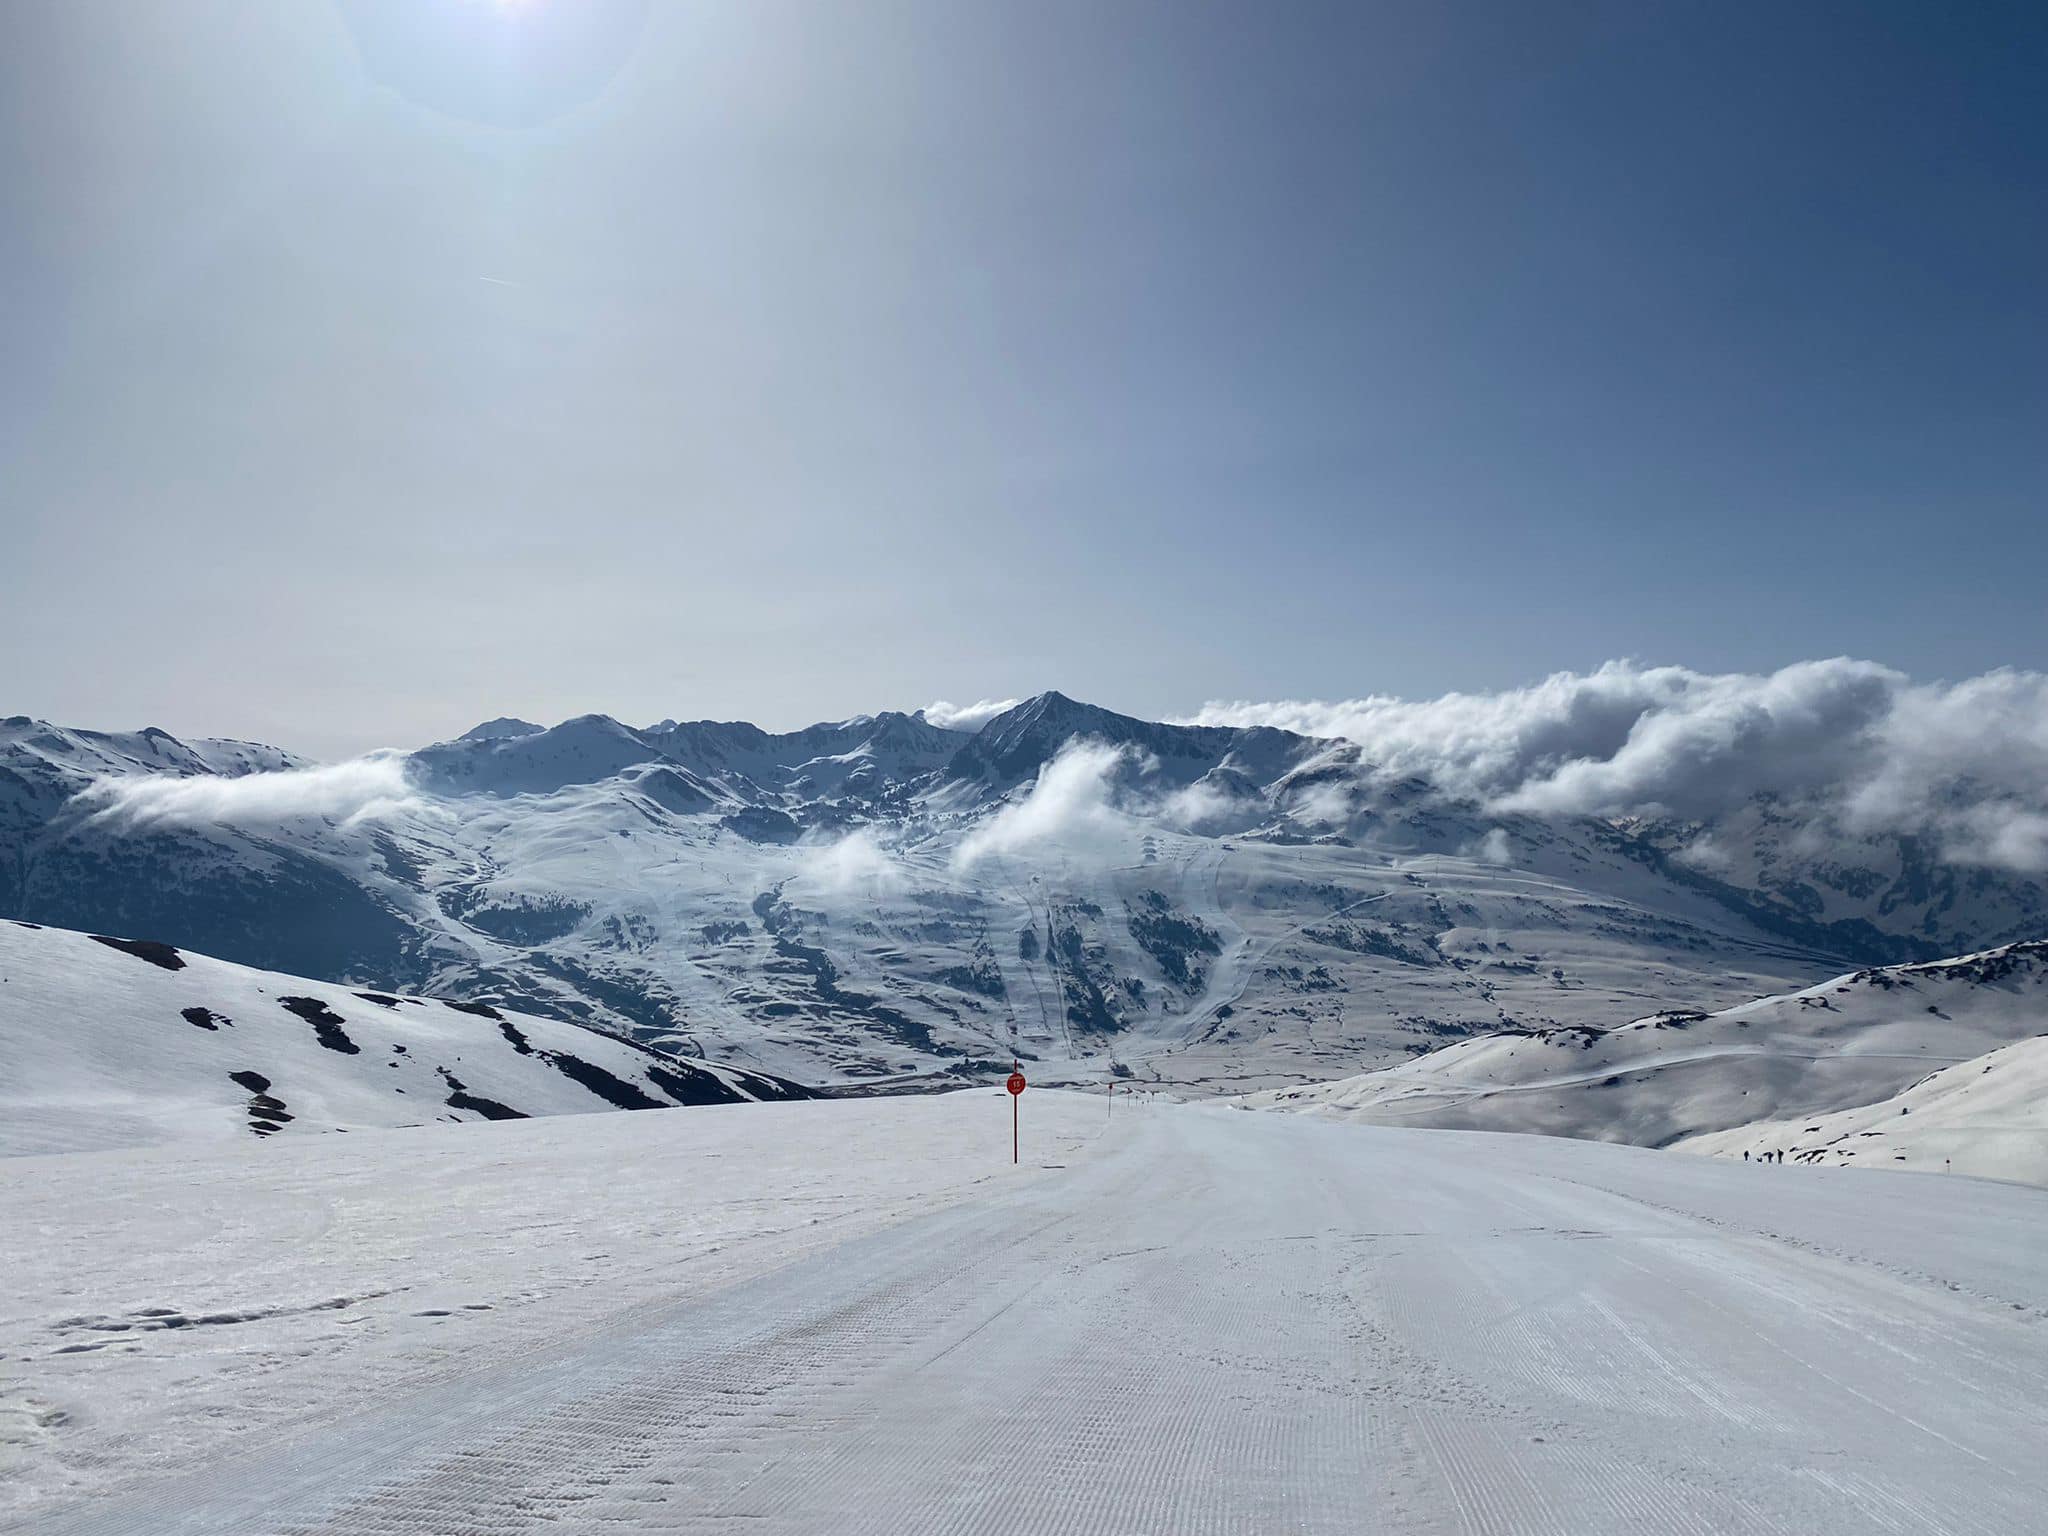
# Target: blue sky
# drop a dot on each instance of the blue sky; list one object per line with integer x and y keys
{"x": 377, "y": 367}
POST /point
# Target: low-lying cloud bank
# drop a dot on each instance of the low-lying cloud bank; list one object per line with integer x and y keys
{"x": 1091, "y": 801}
{"x": 361, "y": 789}
{"x": 1861, "y": 745}
{"x": 857, "y": 864}
{"x": 965, "y": 717}
{"x": 1070, "y": 805}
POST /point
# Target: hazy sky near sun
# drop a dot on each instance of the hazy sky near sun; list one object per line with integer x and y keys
{"x": 370, "y": 367}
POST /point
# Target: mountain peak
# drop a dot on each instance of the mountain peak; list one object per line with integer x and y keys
{"x": 1017, "y": 743}
{"x": 504, "y": 728}
{"x": 1052, "y": 701}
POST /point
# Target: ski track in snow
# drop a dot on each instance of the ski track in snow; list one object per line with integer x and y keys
{"x": 1185, "y": 1320}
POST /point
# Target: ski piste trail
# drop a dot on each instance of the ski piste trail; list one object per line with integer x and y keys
{"x": 1201, "y": 1320}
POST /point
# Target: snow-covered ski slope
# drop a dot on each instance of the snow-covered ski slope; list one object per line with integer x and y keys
{"x": 108, "y": 1042}
{"x": 877, "y": 899}
{"x": 855, "y": 1317}
{"x": 1773, "y": 1068}
{"x": 1987, "y": 1116}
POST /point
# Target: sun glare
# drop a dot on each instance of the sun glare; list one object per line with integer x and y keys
{"x": 509, "y": 63}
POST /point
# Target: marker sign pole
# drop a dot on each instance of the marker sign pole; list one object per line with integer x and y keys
{"x": 1016, "y": 1087}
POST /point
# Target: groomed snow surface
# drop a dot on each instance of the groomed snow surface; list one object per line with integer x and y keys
{"x": 856, "y": 1316}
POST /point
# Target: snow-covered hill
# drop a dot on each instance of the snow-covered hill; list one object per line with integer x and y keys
{"x": 1986, "y": 1116}
{"x": 883, "y": 899}
{"x": 1767, "y": 1075}
{"x": 108, "y": 1042}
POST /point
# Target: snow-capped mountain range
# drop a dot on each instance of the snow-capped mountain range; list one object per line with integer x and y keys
{"x": 885, "y": 900}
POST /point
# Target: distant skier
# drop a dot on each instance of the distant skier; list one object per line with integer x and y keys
{"x": 1745, "y": 1157}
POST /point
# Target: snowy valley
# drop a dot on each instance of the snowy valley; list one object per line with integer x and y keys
{"x": 307, "y": 1116}
{"x": 885, "y": 902}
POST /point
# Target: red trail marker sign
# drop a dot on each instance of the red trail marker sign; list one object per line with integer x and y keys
{"x": 1016, "y": 1087}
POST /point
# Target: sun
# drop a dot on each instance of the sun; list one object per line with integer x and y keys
{"x": 508, "y": 63}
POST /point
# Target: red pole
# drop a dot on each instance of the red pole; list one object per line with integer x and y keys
{"x": 1013, "y": 1128}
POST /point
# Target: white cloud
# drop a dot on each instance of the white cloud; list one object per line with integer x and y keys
{"x": 854, "y": 865}
{"x": 1326, "y": 803}
{"x": 1493, "y": 848}
{"x": 1706, "y": 853}
{"x": 1200, "y": 804}
{"x": 1858, "y": 744}
{"x": 966, "y": 717}
{"x": 361, "y": 789}
{"x": 1070, "y": 805}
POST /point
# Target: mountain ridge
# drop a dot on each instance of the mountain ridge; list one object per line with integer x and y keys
{"x": 1194, "y": 897}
